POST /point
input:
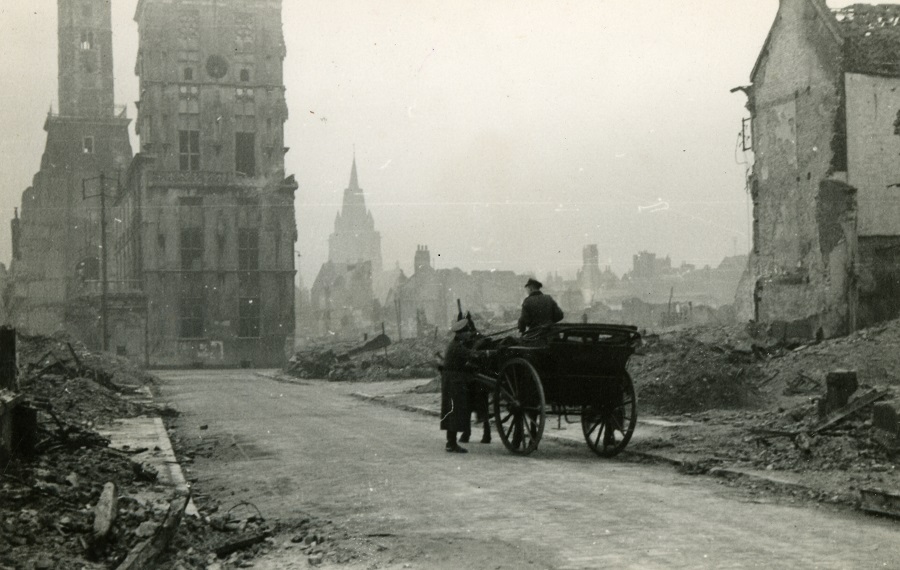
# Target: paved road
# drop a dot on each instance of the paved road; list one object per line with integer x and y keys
{"x": 312, "y": 448}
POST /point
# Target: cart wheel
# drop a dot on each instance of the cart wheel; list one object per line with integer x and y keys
{"x": 608, "y": 426}
{"x": 519, "y": 406}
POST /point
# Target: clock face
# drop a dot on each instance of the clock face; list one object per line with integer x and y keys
{"x": 216, "y": 66}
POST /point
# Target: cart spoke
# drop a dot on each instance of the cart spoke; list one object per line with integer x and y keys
{"x": 518, "y": 435}
{"x": 508, "y": 432}
{"x": 519, "y": 406}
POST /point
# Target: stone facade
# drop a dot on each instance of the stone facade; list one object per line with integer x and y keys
{"x": 823, "y": 118}
{"x": 57, "y": 257}
{"x": 341, "y": 300}
{"x": 208, "y": 225}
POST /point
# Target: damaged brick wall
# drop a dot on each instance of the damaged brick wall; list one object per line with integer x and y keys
{"x": 873, "y": 145}
{"x": 795, "y": 102}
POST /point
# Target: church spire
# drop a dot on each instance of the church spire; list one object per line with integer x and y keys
{"x": 354, "y": 181}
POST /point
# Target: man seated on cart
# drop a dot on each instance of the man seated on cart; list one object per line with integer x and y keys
{"x": 538, "y": 309}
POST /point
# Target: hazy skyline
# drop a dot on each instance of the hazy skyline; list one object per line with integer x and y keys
{"x": 502, "y": 134}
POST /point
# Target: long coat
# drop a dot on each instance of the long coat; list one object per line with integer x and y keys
{"x": 455, "y": 413}
{"x": 537, "y": 310}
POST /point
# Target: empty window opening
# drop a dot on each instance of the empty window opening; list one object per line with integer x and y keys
{"x": 249, "y": 304}
{"x": 245, "y": 75}
{"x": 188, "y": 73}
{"x": 192, "y": 303}
{"x": 189, "y": 99}
{"x": 245, "y": 153}
{"x": 87, "y": 40}
{"x": 189, "y": 150}
{"x": 191, "y": 249}
{"x": 248, "y": 249}
{"x": 87, "y": 145}
{"x": 248, "y": 317}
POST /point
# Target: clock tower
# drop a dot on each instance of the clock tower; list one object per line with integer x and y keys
{"x": 212, "y": 92}
{"x": 214, "y": 229}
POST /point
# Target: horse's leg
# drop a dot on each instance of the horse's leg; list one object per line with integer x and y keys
{"x": 486, "y": 419}
{"x": 467, "y": 432}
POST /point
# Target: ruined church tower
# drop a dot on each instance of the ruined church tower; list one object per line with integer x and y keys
{"x": 85, "y": 58}
{"x": 354, "y": 239}
{"x": 57, "y": 255}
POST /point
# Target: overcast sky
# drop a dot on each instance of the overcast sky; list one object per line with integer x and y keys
{"x": 502, "y": 134}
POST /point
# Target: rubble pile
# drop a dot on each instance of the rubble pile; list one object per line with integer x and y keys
{"x": 233, "y": 538}
{"x": 677, "y": 373}
{"x": 871, "y": 352}
{"x": 49, "y": 502}
{"x": 47, "y": 508}
{"x": 846, "y": 456}
{"x": 779, "y": 412}
{"x": 60, "y": 375}
{"x": 77, "y": 503}
{"x": 789, "y": 441}
{"x": 408, "y": 358}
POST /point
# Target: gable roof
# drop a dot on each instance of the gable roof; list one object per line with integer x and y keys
{"x": 871, "y": 38}
{"x": 825, "y": 15}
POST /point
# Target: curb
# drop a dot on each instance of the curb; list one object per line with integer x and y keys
{"x": 149, "y": 432}
{"x": 720, "y": 472}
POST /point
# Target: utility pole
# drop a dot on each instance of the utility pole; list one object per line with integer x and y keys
{"x": 399, "y": 319}
{"x": 104, "y": 282}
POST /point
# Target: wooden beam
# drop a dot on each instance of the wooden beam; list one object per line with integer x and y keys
{"x": 144, "y": 554}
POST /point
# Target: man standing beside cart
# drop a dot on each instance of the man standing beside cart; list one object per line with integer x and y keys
{"x": 538, "y": 309}
{"x": 455, "y": 384}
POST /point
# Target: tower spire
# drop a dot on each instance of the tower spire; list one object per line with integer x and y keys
{"x": 354, "y": 181}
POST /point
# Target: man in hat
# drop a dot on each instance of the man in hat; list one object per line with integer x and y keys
{"x": 538, "y": 309}
{"x": 455, "y": 380}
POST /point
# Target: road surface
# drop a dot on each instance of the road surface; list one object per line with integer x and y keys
{"x": 310, "y": 448}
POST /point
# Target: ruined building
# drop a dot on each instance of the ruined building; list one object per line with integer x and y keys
{"x": 208, "y": 225}
{"x": 344, "y": 296}
{"x": 57, "y": 256}
{"x": 824, "y": 104}
{"x": 427, "y": 299}
{"x": 591, "y": 281}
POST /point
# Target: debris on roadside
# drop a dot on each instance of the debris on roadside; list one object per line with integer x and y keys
{"x": 677, "y": 373}
{"x": 78, "y": 503}
{"x": 341, "y": 361}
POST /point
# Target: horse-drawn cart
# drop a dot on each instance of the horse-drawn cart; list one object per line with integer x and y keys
{"x": 563, "y": 369}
